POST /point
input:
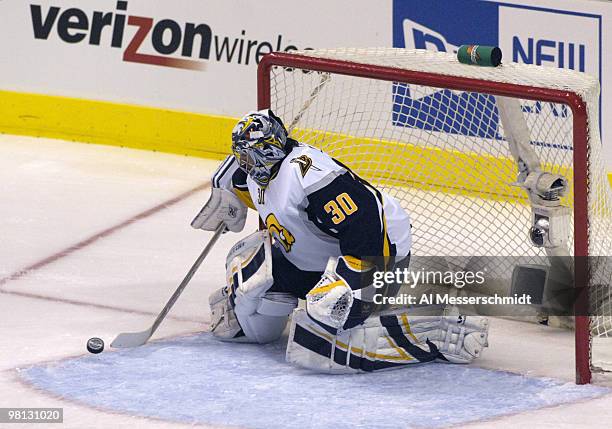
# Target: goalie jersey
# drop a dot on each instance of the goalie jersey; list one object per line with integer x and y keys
{"x": 315, "y": 208}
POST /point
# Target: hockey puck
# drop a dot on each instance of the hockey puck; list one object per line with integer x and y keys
{"x": 95, "y": 345}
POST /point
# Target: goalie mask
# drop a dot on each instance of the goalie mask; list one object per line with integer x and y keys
{"x": 258, "y": 143}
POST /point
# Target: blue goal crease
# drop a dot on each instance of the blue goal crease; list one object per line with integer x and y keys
{"x": 197, "y": 379}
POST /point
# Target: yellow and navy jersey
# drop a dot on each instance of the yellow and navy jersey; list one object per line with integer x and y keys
{"x": 315, "y": 208}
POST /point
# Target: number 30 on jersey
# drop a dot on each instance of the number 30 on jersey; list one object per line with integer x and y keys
{"x": 340, "y": 208}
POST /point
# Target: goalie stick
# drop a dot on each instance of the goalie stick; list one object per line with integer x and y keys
{"x": 135, "y": 339}
{"x": 313, "y": 95}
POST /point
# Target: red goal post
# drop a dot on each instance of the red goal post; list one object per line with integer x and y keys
{"x": 384, "y": 72}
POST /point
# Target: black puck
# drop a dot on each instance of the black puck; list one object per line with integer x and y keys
{"x": 95, "y": 345}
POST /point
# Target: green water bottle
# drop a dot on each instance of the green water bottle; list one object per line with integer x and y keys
{"x": 487, "y": 56}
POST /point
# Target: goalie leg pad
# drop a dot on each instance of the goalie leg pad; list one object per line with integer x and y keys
{"x": 268, "y": 322}
{"x": 389, "y": 340}
{"x": 265, "y": 325}
{"x": 261, "y": 314}
{"x": 460, "y": 339}
{"x": 224, "y": 324}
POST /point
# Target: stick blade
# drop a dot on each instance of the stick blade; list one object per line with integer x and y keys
{"x": 131, "y": 339}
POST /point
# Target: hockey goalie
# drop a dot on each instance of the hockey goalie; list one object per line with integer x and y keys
{"x": 327, "y": 231}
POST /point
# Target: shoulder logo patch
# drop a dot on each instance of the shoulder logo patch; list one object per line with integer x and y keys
{"x": 305, "y": 163}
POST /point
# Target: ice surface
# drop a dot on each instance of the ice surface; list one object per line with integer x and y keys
{"x": 56, "y": 194}
{"x": 197, "y": 379}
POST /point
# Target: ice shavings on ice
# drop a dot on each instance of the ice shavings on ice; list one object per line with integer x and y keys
{"x": 197, "y": 379}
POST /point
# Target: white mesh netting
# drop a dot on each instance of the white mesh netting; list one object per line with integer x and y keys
{"x": 444, "y": 155}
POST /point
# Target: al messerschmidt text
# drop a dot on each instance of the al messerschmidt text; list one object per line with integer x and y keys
{"x": 443, "y": 298}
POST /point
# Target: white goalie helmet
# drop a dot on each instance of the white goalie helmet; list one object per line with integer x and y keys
{"x": 259, "y": 142}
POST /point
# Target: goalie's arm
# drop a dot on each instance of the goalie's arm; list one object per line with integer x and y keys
{"x": 230, "y": 177}
{"x": 350, "y": 211}
{"x": 229, "y": 199}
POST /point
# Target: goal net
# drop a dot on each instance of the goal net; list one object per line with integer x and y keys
{"x": 480, "y": 157}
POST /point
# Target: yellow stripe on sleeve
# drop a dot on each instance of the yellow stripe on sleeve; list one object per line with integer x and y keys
{"x": 245, "y": 197}
{"x": 358, "y": 264}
